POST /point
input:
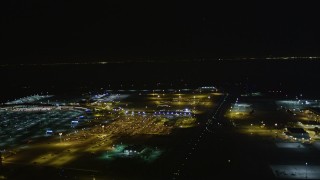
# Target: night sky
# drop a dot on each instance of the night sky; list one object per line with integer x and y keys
{"x": 38, "y": 31}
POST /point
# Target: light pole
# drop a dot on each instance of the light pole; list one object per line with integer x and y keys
{"x": 60, "y": 134}
{"x": 102, "y": 128}
{"x": 306, "y": 170}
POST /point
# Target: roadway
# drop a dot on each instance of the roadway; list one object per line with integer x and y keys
{"x": 221, "y": 152}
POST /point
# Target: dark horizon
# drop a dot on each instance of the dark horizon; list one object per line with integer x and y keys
{"x": 50, "y": 31}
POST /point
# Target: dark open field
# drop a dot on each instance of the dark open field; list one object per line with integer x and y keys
{"x": 292, "y": 76}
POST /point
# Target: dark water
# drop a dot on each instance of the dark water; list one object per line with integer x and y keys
{"x": 293, "y": 77}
